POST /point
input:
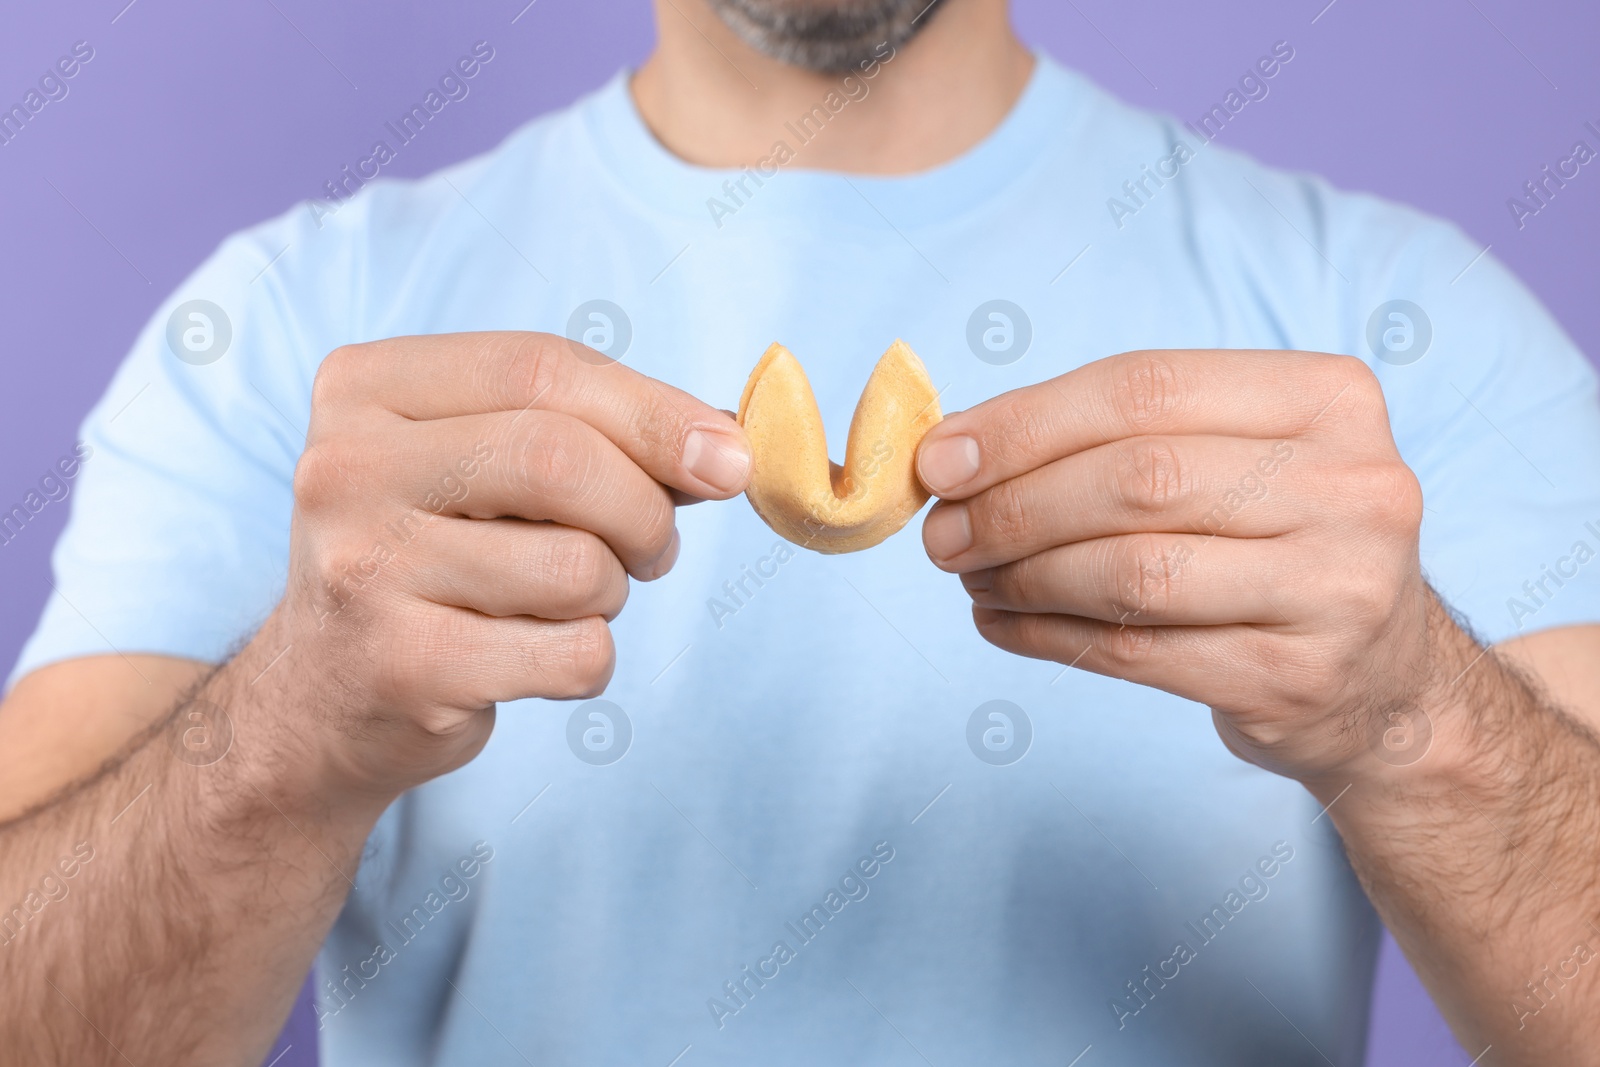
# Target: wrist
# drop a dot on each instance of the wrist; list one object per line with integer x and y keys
{"x": 261, "y": 721}
{"x": 1452, "y": 737}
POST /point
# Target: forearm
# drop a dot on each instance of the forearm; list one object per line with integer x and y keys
{"x": 199, "y": 893}
{"x": 1483, "y": 857}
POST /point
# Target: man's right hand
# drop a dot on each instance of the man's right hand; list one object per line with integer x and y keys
{"x": 468, "y": 510}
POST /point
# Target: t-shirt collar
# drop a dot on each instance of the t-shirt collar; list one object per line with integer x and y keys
{"x": 646, "y": 171}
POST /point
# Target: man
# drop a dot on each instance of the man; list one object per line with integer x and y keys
{"x": 1225, "y": 438}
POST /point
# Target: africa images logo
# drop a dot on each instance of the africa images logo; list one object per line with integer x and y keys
{"x": 199, "y": 332}
{"x": 1399, "y": 332}
{"x": 999, "y": 732}
{"x": 999, "y": 332}
{"x": 599, "y": 732}
{"x": 603, "y": 329}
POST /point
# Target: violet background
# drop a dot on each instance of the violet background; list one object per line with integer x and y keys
{"x": 195, "y": 119}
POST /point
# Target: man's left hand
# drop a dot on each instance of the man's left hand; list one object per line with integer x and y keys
{"x": 1235, "y": 527}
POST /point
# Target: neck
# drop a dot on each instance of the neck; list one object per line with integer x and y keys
{"x": 714, "y": 101}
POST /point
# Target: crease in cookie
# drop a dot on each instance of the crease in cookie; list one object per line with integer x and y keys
{"x": 803, "y": 495}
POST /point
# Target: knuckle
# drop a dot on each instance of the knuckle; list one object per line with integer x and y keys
{"x": 537, "y": 365}
{"x": 340, "y": 586}
{"x": 582, "y": 574}
{"x": 1388, "y": 494}
{"x": 587, "y": 656}
{"x": 612, "y": 602}
{"x": 337, "y": 375}
{"x": 1146, "y": 575}
{"x": 577, "y": 566}
{"x": 1004, "y": 517}
{"x": 657, "y": 523}
{"x": 659, "y": 422}
{"x": 1022, "y": 429}
{"x": 1129, "y": 646}
{"x": 1401, "y": 493}
{"x": 1153, "y": 481}
{"x": 441, "y": 722}
{"x": 1353, "y": 372}
{"x": 1351, "y": 379}
{"x": 1369, "y": 598}
{"x": 660, "y": 539}
{"x": 1029, "y": 634}
{"x": 317, "y": 479}
{"x": 344, "y": 555}
{"x": 1148, "y": 390}
{"x": 552, "y": 458}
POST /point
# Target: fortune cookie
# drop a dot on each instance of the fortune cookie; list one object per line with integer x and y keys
{"x": 819, "y": 504}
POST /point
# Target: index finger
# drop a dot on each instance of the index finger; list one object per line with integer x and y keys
{"x": 1233, "y": 393}
{"x": 679, "y": 441}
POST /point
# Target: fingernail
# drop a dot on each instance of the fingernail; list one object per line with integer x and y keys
{"x": 982, "y": 617}
{"x": 664, "y": 563}
{"x": 948, "y": 463}
{"x": 718, "y": 461}
{"x": 947, "y": 532}
{"x": 978, "y": 581}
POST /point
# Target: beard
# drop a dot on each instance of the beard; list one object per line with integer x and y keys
{"x": 826, "y": 36}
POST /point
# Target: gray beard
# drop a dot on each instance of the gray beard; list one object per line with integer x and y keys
{"x": 826, "y": 36}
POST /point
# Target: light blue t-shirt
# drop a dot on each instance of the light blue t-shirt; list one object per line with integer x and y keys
{"x": 822, "y": 843}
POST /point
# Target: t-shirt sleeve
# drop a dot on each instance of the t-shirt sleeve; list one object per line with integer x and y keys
{"x": 179, "y": 527}
{"x": 1498, "y": 413}
{"x": 1490, "y": 403}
